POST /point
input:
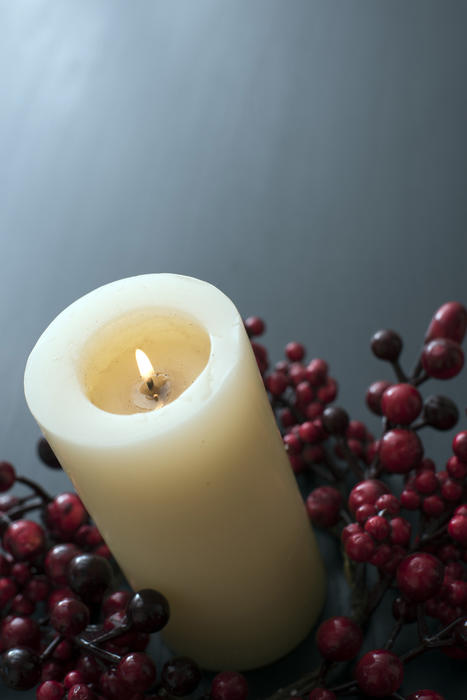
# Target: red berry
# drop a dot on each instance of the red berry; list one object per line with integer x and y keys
{"x": 425, "y": 695}
{"x": 433, "y": 506}
{"x": 367, "y": 491}
{"x": 459, "y": 445}
{"x": 388, "y": 503}
{"x": 400, "y": 531}
{"x": 461, "y": 510}
{"x": 410, "y": 499}
{"x": 276, "y": 383}
{"x": 80, "y": 691}
{"x": 229, "y": 685}
{"x": 137, "y": 670}
{"x": 292, "y": 443}
{"x": 297, "y": 373}
{"x": 457, "y": 529}
{"x": 451, "y": 491}
{"x": 442, "y": 358}
{"x": 321, "y": 694}
{"x": 24, "y": 539}
{"x": 328, "y": 392}
{"x": 382, "y": 556}
{"x": 426, "y": 482}
{"x": 72, "y": 678}
{"x": 364, "y": 512}
{"x": 287, "y": 418}
{"x": 419, "y": 576}
{"x": 314, "y": 410}
{"x": 50, "y": 690}
{"x": 401, "y": 403}
{"x": 400, "y": 451}
{"x": 379, "y": 673}
{"x": 378, "y": 527}
{"x": 339, "y": 639}
{"x": 57, "y": 561}
{"x": 20, "y": 632}
{"x": 69, "y": 617}
{"x": 360, "y": 547}
{"x": 348, "y": 530}
{"x": 114, "y": 602}
{"x": 261, "y": 356}
{"x": 88, "y": 536}
{"x": 254, "y": 326}
{"x": 20, "y": 668}
{"x": 357, "y": 431}
{"x": 37, "y": 588}
{"x": 323, "y": 505}
{"x": 21, "y": 605}
{"x": 309, "y": 432}
{"x": 316, "y": 372}
{"x": 7, "y": 476}
{"x": 65, "y": 514}
{"x": 450, "y": 321}
{"x": 148, "y": 611}
{"x": 295, "y": 351}
{"x": 456, "y": 468}
{"x": 304, "y": 393}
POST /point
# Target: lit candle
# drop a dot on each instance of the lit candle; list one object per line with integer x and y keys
{"x": 193, "y": 492}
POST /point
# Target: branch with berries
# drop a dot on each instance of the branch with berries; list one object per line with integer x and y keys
{"x": 69, "y": 628}
{"x": 418, "y": 556}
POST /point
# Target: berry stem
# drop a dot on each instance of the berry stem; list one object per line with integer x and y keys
{"x": 46, "y": 497}
{"x": 394, "y": 634}
{"x": 16, "y": 513}
{"x": 111, "y": 634}
{"x": 351, "y": 459}
{"x": 50, "y": 647}
{"x": 102, "y": 653}
{"x": 420, "y": 379}
{"x": 400, "y": 374}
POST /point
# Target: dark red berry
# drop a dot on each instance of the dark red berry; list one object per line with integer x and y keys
{"x": 276, "y": 383}
{"x": 419, "y": 576}
{"x": 364, "y": 512}
{"x": 7, "y": 476}
{"x": 335, "y": 420}
{"x": 426, "y": 482}
{"x": 8, "y": 589}
{"x": 379, "y": 673}
{"x": 292, "y": 443}
{"x": 459, "y": 445}
{"x": 295, "y": 351}
{"x": 20, "y": 668}
{"x": 255, "y": 326}
{"x": 400, "y": 531}
{"x": 401, "y": 403}
{"x": 148, "y": 611}
{"x": 137, "y": 670}
{"x": 440, "y": 412}
{"x": 433, "y": 506}
{"x": 450, "y": 321}
{"x": 180, "y": 676}
{"x": 442, "y": 358}
{"x": 425, "y": 695}
{"x": 69, "y": 617}
{"x": 386, "y": 345}
{"x": 339, "y": 639}
{"x": 304, "y": 393}
{"x": 118, "y": 600}
{"x": 328, "y": 392}
{"x": 400, "y": 451}
{"x": 24, "y": 539}
{"x": 46, "y": 454}
{"x": 72, "y": 678}
{"x": 323, "y": 505}
{"x": 451, "y": 490}
{"x": 89, "y": 668}
{"x": 229, "y": 685}
{"x": 374, "y": 395}
{"x": 89, "y": 576}
{"x": 388, "y": 503}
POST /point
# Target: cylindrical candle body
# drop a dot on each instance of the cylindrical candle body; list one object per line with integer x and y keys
{"x": 196, "y": 499}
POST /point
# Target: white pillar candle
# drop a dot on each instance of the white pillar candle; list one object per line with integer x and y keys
{"x": 195, "y": 498}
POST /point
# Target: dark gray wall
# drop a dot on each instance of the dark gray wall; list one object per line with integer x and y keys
{"x": 306, "y": 156}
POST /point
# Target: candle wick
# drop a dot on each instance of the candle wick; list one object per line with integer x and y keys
{"x": 150, "y": 384}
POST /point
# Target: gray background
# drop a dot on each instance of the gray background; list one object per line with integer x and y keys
{"x": 308, "y": 157}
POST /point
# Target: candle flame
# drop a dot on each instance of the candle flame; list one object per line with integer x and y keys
{"x": 145, "y": 367}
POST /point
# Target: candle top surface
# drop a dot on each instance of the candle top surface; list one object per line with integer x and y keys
{"x": 54, "y": 369}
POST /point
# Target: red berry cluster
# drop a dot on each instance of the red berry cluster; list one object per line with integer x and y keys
{"x": 425, "y": 563}
{"x": 64, "y": 627}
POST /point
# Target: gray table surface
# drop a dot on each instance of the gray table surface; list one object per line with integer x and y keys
{"x": 307, "y": 157}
